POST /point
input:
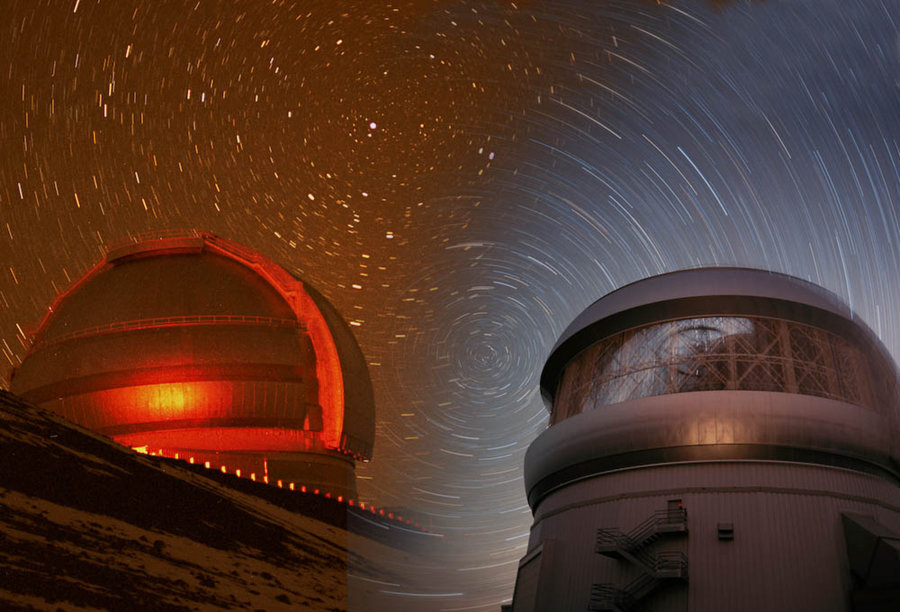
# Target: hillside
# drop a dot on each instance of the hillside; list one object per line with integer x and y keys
{"x": 89, "y": 524}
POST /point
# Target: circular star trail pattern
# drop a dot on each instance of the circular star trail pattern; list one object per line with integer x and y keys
{"x": 460, "y": 179}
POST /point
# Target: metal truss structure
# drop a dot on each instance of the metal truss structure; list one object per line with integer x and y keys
{"x": 715, "y": 353}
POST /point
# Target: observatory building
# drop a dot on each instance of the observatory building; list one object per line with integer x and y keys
{"x": 720, "y": 439}
{"x": 194, "y": 347}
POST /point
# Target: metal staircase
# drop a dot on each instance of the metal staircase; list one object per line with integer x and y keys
{"x": 656, "y": 569}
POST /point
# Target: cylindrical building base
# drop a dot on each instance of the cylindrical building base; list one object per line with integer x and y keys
{"x": 759, "y": 536}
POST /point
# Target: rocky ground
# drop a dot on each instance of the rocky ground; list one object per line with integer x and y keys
{"x": 88, "y": 524}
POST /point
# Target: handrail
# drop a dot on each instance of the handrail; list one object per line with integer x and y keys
{"x": 649, "y": 561}
{"x": 274, "y": 273}
{"x": 637, "y": 589}
{"x": 634, "y": 546}
{"x": 671, "y": 560}
{"x": 640, "y": 534}
{"x": 612, "y": 537}
{"x": 163, "y": 322}
{"x": 663, "y": 561}
{"x": 645, "y": 529}
{"x": 277, "y": 275}
{"x": 170, "y": 234}
{"x": 604, "y": 596}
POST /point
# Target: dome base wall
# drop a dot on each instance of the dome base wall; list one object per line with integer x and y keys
{"x": 786, "y": 549}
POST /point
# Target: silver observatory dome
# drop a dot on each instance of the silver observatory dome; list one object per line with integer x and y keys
{"x": 720, "y": 439}
{"x": 715, "y": 364}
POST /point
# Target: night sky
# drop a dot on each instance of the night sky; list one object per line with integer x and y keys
{"x": 461, "y": 179}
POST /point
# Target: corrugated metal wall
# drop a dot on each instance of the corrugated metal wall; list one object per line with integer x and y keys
{"x": 788, "y": 551}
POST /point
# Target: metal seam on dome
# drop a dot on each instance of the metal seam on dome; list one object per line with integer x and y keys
{"x": 166, "y": 322}
{"x": 294, "y": 426}
{"x": 707, "y": 453}
{"x": 68, "y": 291}
{"x": 309, "y": 318}
{"x": 286, "y": 285}
{"x": 328, "y": 372}
{"x": 328, "y": 364}
{"x": 182, "y": 373}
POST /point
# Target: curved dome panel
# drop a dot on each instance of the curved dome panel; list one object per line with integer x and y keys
{"x": 359, "y": 417}
{"x": 147, "y": 288}
{"x": 195, "y": 344}
{"x": 747, "y": 297}
{"x": 716, "y": 364}
{"x": 702, "y": 282}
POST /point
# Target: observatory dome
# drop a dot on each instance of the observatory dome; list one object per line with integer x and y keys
{"x": 710, "y": 364}
{"x": 194, "y": 345}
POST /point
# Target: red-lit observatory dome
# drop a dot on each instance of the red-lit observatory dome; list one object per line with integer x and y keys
{"x": 196, "y": 346}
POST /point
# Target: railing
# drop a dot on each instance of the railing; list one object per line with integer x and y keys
{"x": 604, "y": 597}
{"x": 655, "y": 569}
{"x": 163, "y": 322}
{"x": 636, "y": 590}
{"x": 280, "y": 277}
{"x": 720, "y": 353}
{"x": 669, "y": 520}
{"x": 275, "y": 274}
{"x": 671, "y": 565}
{"x": 290, "y": 288}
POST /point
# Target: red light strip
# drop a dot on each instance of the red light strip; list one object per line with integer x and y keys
{"x": 349, "y": 501}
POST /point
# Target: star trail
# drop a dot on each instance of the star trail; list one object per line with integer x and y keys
{"x": 460, "y": 179}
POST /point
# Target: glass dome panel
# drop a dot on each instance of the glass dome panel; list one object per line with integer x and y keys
{"x": 714, "y": 353}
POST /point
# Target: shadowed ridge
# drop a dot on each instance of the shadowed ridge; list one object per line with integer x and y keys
{"x": 90, "y": 523}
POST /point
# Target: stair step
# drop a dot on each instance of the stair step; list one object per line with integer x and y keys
{"x": 672, "y": 528}
{"x": 612, "y": 553}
